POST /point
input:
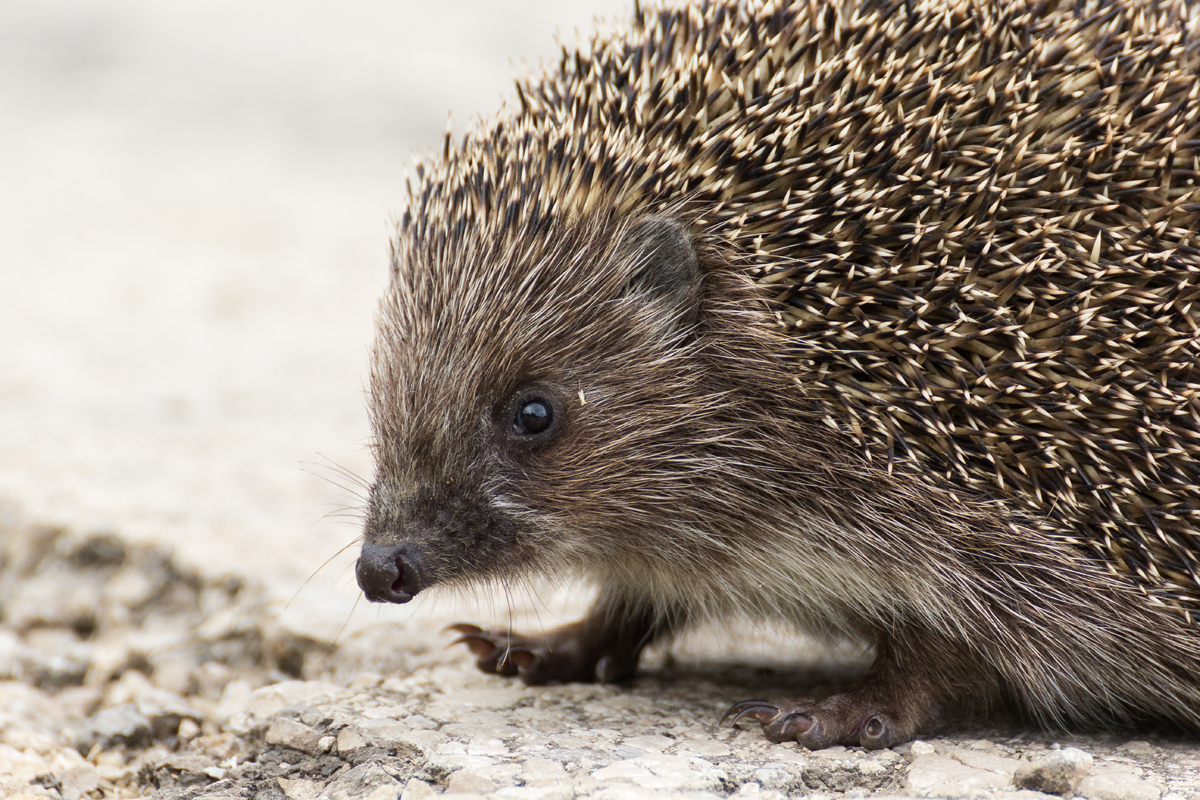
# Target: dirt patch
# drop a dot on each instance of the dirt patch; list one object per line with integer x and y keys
{"x": 124, "y": 675}
{"x": 120, "y": 673}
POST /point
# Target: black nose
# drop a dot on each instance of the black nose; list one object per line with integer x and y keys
{"x": 389, "y": 573}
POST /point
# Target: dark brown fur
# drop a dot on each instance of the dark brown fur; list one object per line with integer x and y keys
{"x": 873, "y": 319}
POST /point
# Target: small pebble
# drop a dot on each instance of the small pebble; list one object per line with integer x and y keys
{"x": 296, "y": 735}
{"x": 1059, "y": 772}
{"x": 417, "y": 790}
{"x": 469, "y": 783}
{"x": 1138, "y": 748}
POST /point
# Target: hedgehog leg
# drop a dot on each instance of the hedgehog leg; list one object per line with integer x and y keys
{"x": 602, "y": 647}
{"x": 890, "y": 706}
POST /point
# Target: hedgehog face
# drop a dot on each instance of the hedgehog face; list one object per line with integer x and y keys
{"x": 529, "y": 407}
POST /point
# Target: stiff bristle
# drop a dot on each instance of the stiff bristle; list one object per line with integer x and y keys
{"x": 979, "y": 224}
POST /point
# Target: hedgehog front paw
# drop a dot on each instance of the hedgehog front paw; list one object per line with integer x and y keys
{"x": 846, "y": 719}
{"x": 561, "y": 655}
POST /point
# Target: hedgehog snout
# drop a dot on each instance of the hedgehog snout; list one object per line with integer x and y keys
{"x": 390, "y": 573}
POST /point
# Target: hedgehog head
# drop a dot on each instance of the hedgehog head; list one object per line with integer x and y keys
{"x": 530, "y": 403}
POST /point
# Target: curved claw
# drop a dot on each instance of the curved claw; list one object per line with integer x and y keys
{"x": 523, "y": 657}
{"x": 462, "y": 627}
{"x": 791, "y": 727}
{"x": 739, "y": 710}
{"x": 473, "y": 642}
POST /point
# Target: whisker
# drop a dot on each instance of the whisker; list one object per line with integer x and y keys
{"x": 318, "y": 569}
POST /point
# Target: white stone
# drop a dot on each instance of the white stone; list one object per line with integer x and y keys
{"x": 835, "y": 753}
{"x": 188, "y": 729}
{"x": 870, "y": 767}
{"x": 234, "y": 700}
{"x": 481, "y": 698}
{"x": 631, "y": 703}
{"x": 980, "y": 759}
{"x": 633, "y": 791}
{"x": 566, "y": 740}
{"x": 425, "y": 740}
{"x": 940, "y": 776}
{"x": 270, "y": 700}
{"x": 501, "y": 774}
{"x": 66, "y": 758}
{"x": 659, "y": 771}
{"x": 30, "y": 740}
{"x": 296, "y": 735}
{"x": 453, "y": 761}
{"x": 920, "y": 748}
{"x": 594, "y": 733}
{"x": 653, "y": 743}
{"x": 750, "y": 789}
{"x": 417, "y": 790}
{"x": 418, "y": 722}
{"x": 350, "y": 739}
{"x": 669, "y": 766}
{"x": 542, "y": 771}
{"x": 385, "y": 731}
{"x": 365, "y": 681}
{"x": 1108, "y": 781}
{"x": 77, "y": 781}
{"x": 788, "y": 756}
{"x": 628, "y": 769}
{"x": 469, "y": 781}
{"x": 562, "y": 792}
{"x": 709, "y": 749}
{"x": 301, "y": 789}
{"x": 477, "y": 732}
{"x": 778, "y": 776}
{"x": 486, "y": 747}
{"x": 15, "y": 764}
{"x": 1059, "y": 772}
{"x": 384, "y": 712}
{"x": 10, "y": 649}
{"x": 365, "y": 782}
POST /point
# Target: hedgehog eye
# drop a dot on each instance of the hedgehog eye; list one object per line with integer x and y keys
{"x": 533, "y": 416}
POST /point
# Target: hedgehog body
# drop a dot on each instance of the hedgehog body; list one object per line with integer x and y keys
{"x": 875, "y": 317}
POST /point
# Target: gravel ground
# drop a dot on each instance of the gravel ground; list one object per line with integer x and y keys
{"x": 124, "y": 675}
{"x": 194, "y": 237}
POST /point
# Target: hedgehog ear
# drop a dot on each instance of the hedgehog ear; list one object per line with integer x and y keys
{"x": 666, "y": 268}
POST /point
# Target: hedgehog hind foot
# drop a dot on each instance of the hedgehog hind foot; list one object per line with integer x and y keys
{"x": 903, "y": 695}
{"x": 858, "y": 717}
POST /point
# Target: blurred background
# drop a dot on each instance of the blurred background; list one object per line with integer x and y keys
{"x": 195, "y": 205}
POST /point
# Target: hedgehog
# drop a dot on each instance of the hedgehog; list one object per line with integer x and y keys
{"x": 877, "y": 319}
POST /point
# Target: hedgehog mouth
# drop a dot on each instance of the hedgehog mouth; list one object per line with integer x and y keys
{"x": 390, "y": 573}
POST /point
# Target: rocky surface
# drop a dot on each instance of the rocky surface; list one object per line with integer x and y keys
{"x": 123, "y": 675}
